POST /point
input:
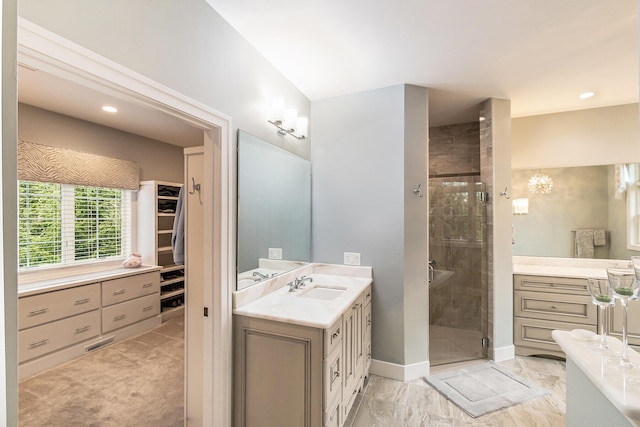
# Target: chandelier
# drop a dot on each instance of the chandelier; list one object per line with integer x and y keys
{"x": 540, "y": 184}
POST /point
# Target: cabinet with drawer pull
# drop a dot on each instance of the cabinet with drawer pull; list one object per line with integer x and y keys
{"x": 60, "y": 323}
{"x": 542, "y": 304}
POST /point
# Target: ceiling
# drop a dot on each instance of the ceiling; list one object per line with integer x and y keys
{"x": 540, "y": 54}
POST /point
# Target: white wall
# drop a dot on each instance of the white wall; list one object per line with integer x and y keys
{"x": 8, "y": 230}
{"x": 369, "y": 152}
{"x": 597, "y": 136}
{"x": 184, "y": 45}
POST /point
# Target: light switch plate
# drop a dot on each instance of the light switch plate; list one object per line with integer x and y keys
{"x": 351, "y": 258}
{"x": 275, "y": 253}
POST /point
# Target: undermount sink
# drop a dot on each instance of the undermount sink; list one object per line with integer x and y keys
{"x": 323, "y": 292}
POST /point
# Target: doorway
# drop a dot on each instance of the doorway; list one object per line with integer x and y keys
{"x": 458, "y": 291}
{"x": 43, "y": 50}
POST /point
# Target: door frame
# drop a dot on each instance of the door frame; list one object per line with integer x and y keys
{"x": 43, "y": 50}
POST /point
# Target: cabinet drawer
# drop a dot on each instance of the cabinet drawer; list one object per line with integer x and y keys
{"x": 332, "y": 372}
{"x": 367, "y": 296}
{"x": 130, "y": 287}
{"x": 537, "y": 333}
{"x": 128, "y": 312}
{"x": 50, "y": 306}
{"x": 332, "y": 416}
{"x": 53, "y": 336}
{"x": 550, "y": 306}
{"x": 564, "y": 285}
{"x": 332, "y": 337}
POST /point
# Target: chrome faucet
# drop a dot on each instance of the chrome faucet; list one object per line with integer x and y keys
{"x": 260, "y": 275}
{"x": 300, "y": 282}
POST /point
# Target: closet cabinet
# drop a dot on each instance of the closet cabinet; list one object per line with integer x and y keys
{"x": 293, "y": 375}
{"x": 542, "y": 304}
{"x": 156, "y": 204}
{"x": 60, "y": 322}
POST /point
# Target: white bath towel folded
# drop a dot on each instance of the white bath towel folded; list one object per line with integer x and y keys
{"x": 599, "y": 237}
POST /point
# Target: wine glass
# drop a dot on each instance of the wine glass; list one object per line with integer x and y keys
{"x": 602, "y": 296}
{"x": 625, "y": 288}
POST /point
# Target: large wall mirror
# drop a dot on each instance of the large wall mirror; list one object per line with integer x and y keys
{"x": 274, "y": 210}
{"x": 581, "y": 198}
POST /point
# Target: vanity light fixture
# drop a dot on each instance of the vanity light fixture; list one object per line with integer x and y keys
{"x": 586, "y": 95}
{"x": 287, "y": 120}
{"x": 109, "y": 109}
{"x": 540, "y": 184}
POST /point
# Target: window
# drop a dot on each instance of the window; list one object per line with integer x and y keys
{"x": 61, "y": 224}
{"x": 633, "y": 206}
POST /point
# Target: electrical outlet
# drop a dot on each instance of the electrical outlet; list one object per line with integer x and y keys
{"x": 275, "y": 253}
{"x": 351, "y": 258}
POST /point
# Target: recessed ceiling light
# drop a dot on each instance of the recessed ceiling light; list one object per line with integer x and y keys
{"x": 586, "y": 95}
{"x": 109, "y": 109}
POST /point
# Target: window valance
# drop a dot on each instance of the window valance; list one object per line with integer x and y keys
{"x": 43, "y": 163}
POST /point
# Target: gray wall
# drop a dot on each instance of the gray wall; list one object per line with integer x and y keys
{"x": 184, "y": 45}
{"x": 157, "y": 160}
{"x": 365, "y": 163}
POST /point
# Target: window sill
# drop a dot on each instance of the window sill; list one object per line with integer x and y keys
{"x": 52, "y": 273}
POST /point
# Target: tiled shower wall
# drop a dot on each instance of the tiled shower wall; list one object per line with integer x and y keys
{"x": 460, "y": 301}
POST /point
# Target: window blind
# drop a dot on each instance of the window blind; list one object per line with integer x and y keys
{"x": 42, "y": 163}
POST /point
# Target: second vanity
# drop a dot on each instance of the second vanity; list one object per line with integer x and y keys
{"x": 302, "y": 353}
{"x": 552, "y": 294}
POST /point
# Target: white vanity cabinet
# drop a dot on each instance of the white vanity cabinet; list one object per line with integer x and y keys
{"x": 543, "y": 304}
{"x": 292, "y": 375}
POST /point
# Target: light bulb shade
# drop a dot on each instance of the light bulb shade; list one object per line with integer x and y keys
{"x": 277, "y": 110}
{"x": 540, "y": 184}
{"x": 302, "y": 126}
{"x": 290, "y": 117}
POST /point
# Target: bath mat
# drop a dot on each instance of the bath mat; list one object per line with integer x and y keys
{"x": 484, "y": 388}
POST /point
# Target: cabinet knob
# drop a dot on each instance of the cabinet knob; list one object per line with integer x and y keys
{"x": 554, "y": 307}
{"x": 335, "y": 335}
{"x": 336, "y": 374}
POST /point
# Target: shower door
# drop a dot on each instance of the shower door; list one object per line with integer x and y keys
{"x": 457, "y": 251}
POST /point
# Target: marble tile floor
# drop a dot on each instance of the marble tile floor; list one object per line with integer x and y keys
{"x": 137, "y": 382}
{"x": 390, "y": 403}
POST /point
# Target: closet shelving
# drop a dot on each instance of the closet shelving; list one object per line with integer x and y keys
{"x": 157, "y": 202}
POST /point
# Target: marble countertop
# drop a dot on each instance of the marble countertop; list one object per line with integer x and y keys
{"x": 277, "y": 303}
{"x": 63, "y": 282}
{"x": 566, "y": 267}
{"x": 622, "y": 389}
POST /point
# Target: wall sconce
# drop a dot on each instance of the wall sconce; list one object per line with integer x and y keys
{"x": 287, "y": 120}
{"x": 520, "y": 206}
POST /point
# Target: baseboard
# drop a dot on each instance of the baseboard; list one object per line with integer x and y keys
{"x": 501, "y": 354}
{"x": 399, "y": 372}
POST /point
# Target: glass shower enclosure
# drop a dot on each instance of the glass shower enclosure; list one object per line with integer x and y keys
{"x": 458, "y": 287}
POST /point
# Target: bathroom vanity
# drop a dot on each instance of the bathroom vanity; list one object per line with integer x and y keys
{"x": 552, "y": 294}
{"x": 301, "y": 355}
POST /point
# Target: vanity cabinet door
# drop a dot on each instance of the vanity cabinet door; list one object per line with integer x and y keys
{"x": 353, "y": 354}
{"x": 332, "y": 373}
{"x": 367, "y": 338}
{"x": 277, "y": 374}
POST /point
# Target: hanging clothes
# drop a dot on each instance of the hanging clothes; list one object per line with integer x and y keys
{"x": 177, "y": 237}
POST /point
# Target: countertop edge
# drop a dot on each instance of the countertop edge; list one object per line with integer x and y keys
{"x": 606, "y": 386}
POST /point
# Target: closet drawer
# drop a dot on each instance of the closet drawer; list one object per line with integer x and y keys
{"x": 563, "y": 285}
{"x": 550, "y": 306}
{"x": 128, "y": 312}
{"x": 53, "y": 336}
{"x": 332, "y": 337}
{"x": 130, "y": 287}
{"x": 537, "y": 333}
{"x": 47, "y": 307}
